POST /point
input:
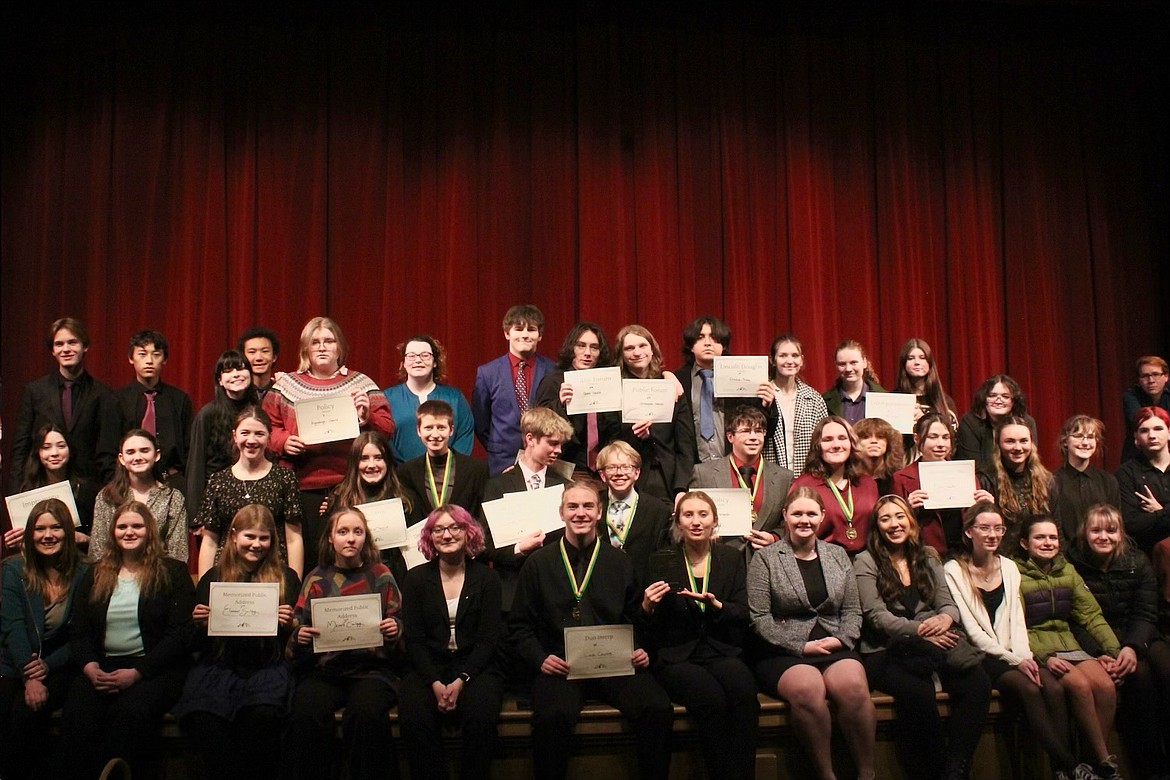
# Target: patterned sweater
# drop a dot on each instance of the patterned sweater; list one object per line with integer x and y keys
{"x": 331, "y": 581}
{"x": 1055, "y": 599}
{"x": 320, "y": 465}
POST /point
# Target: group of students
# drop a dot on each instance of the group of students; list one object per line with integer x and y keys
{"x": 839, "y": 586}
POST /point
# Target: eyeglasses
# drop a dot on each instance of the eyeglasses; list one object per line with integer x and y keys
{"x": 620, "y": 469}
{"x": 991, "y": 530}
{"x": 423, "y": 356}
{"x": 1083, "y": 436}
{"x": 756, "y": 431}
{"x": 1151, "y": 375}
{"x": 999, "y": 396}
{"x": 454, "y": 531}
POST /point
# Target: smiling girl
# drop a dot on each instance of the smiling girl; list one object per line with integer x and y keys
{"x": 1017, "y": 480}
{"x": 833, "y": 470}
{"x": 1079, "y": 483}
{"x": 211, "y": 431}
{"x": 137, "y": 477}
{"x": 799, "y": 408}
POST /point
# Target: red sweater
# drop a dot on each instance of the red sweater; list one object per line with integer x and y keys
{"x": 833, "y": 527}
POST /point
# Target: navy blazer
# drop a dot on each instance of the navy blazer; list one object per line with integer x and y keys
{"x": 497, "y": 416}
{"x": 479, "y": 624}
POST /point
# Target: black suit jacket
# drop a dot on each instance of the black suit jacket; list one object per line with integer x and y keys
{"x": 479, "y": 624}
{"x": 677, "y": 625}
{"x": 505, "y": 560}
{"x": 666, "y": 453}
{"x": 92, "y": 437}
{"x": 683, "y": 374}
{"x": 173, "y": 416}
{"x": 470, "y": 478}
{"x": 609, "y": 424}
{"x": 649, "y": 530}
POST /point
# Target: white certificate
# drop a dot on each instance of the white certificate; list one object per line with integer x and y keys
{"x": 950, "y": 484}
{"x": 734, "y": 506}
{"x": 410, "y": 552}
{"x": 595, "y": 390}
{"x": 243, "y": 609}
{"x": 347, "y": 622}
{"x": 895, "y": 408}
{"x": 20, "y": 505}
{"x": 740, "y": 377}
{"x": 321, "y": 420}
{"x": 599, "y": 651}
{"x": 647, "y": 399}
{"x": 387, "y": 522}
{"x": 517, "y": 514}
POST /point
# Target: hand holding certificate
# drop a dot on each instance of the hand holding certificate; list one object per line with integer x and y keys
{"x": 599, "y": 651}
{"x": 518, "y": 514}
{"x": 321, "y": 420}
{"x": 734, "y": 507}
{"x": 347, "y": 622}
{"x": 243, "y": 609}
{"x": 595, "y": 390}
{"x": 739, "y": 377}
{"x": 949, "y": 484}
{"x": 647, "y": 399}
{"x": 20, "y": 505}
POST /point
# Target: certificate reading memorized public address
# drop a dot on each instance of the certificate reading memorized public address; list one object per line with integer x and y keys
{"x": 243, "y": 609}
{"x": 599, "y": 651}
{"x": 347, "y": 622}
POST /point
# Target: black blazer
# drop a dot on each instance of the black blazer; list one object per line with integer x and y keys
{"x": 649, "y": 530}
{"x": 173, "y": 417}
{"x": 677, "y": 625}
{"x": 93, "y": 437}
{"x": 505, "y": 560}
{"x": 683, "y": 375}
{"x": 667, "y": 451}
{"x": 165, "y": 620}
{"x": 609, "y": 424}
{"x": 479, "y": 624}
{"x": 471, "y": 476}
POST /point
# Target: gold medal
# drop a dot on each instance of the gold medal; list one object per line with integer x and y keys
{"x": 576, "y": 613}
{"x": 851, "y": 533}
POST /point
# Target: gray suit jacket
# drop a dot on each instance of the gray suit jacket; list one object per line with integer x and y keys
{"x": 777, "y": 480}
{"x": 778, "y": 602}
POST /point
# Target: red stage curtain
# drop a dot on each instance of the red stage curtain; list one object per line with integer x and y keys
{"x": 983, "y": 177}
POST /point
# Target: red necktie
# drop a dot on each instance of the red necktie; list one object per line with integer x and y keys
{"x": 591, "y": 440}
{"x": 148, "y": 420}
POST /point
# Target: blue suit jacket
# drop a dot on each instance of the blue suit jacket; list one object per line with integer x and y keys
{"x": 497, "y": 417}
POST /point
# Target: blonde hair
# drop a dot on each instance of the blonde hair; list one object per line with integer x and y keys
{"x": 307, "y": 336}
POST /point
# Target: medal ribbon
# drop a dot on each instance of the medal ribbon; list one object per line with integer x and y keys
{"x": 706, "y": 578}
{"x": 579, "y": 591}
{"x": 437, "y": 499}
{"x": 754, "y": 490}
{"x": 846, "y": 508}
{"x": 623, "y": 533}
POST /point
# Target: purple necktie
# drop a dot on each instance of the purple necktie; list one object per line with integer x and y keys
{"x": 67, "y": 403}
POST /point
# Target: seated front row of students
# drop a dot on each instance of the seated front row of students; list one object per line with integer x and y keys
{"x": 112, "y": 642}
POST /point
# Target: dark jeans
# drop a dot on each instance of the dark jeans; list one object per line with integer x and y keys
{"x": 245, "y": 748}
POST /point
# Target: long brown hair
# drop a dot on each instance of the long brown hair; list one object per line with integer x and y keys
{"x": 932, "y": 389}
{"x": 654, "y": 371}
{"x": 1037, "y": 499}
{"x": 271, "y": 568}
{"x": 154, "y": 575}
{"x": 327, "y": 556}
{"x": 895, "y": 457}
{"x": 353, "y": 490}
{"x": 37, "y": 567}
{"x": 816, "y": 466}
{"x": 918, "y": 556}
{"x": 117, "y": 492}
{"x": 966, "y": 553}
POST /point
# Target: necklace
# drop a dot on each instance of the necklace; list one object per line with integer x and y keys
{"x": 986, "y": 575}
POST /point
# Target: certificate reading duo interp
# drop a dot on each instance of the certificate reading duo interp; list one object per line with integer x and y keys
{"x": 599, "y": 651}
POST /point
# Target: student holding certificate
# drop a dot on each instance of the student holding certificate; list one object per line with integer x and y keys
{"x": 666, "y": 448}
{"x": 236, "y": 696}
{"x": 370, "y": 477}
{"x": 39, "y": 587}
{"x": 698, "y": 634}
{"x": 802, "y": 597}
{"x": 918, "y": 376}
{"x": 581, "y": 581}
{"x": 453, "y": 629}
{"x": 50, "y": 462}
{"x": 252, "y": 479}
{"x": 848, "y": 494}
{"x": 129, "y": 637}
{"x": 855, "y": 378}
{"x": 986, "y": 589}
{"x": 798, "y": 407}
{"x": 322, "y": 374}
{"x": 941, "y": 529}
{"x": 362, "y": 679}
{"x": 584, "y": 348}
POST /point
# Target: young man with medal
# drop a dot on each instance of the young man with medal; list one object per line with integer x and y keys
{"x": 582, "y": 581}
{"x": 766, "y": 483}
{"x": 442, "y": 475}
{"x": 633, "y": 522}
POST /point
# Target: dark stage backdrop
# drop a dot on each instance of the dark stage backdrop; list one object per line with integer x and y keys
{"x": 990, "y": 178}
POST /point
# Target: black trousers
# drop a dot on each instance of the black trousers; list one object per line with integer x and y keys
{"x": 365, "y": 728}
{"x": 556, "y": 705}
{"x": 720, "y": 695}
{"x": 24, "y": 732}
{"x": 918, "y": 722}
{"x": 245, "y": 748}
{"x": 477, "y": 711}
